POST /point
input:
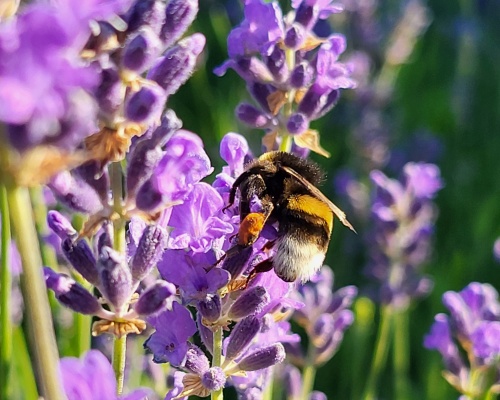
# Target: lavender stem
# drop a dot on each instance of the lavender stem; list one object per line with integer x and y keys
{"x": 5, "y": 291}
{"x": 401, "y": 353}
{"x": 34, "y": 293}
{"x": 217, "y": 360}
{"x": 309, "y": 372}
{"x": 119, "y": 343}
{"x": 380, "y": 354}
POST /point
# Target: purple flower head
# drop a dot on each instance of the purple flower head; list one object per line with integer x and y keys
{"x": 184, "y": 164}
{"x": 92, "y": 378}
{"x": 191, "y": 273}
{"x": 169, "y": 343}
{"x": 261, "y": 29}
{"x": 233, "y": 150}
{"x": 197, "y": 223}
{"x": 44, "y": 84}
{"x": 403, "y": 216}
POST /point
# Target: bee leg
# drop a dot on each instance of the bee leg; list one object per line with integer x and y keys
{"x": 264, "y": 266}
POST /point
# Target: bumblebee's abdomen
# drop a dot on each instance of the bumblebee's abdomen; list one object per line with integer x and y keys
{"x": 314, "y": 212}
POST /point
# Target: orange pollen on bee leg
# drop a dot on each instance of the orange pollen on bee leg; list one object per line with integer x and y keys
{"x": 250, "y": 228}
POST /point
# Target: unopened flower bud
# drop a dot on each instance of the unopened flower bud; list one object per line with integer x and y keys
{"x": 196, "y": 361}
{"x": 96, "y": 177}
{"x": 146, "y": 104}
{"x": 295, "y": 36}
{"x": 115, "y": 277}
{"x": 251, "y": 302}
{"x": 141, "y": 50}
{"x": 242, "y": 336}
{"x": 76, "y": 194}
{"x": 146, "y": 13}
{"x": 154, "y": 298}
{"x": 322, "y": 330}
{"x": 306, "y": 14}
{"x": 80, "y": 256}
{"x": 149, "y": 250}
{"x": 236, "y": 263}
{"x": 175, "y": 67}
{"x": 252, "y": 116}
{"x": 263, "y": 358}
{"x": 297, "y": 123}
{"x": 260, "y": 92}
{"x": 210, "y": 308}
{"x": 206, "y": 335}
{"x": 317, "y": 101}
{"x": 105, "y": 238}
{"x": 178, "y": 16}
{"x": 60, "y": 225}
{"x": 109, "y": 93}
{"x": 252, "y": 69}
{"x": 302, "y": 75}
{"x": 276, "y": 63}
{"x": 292, "y": 381}
{"x": 214, "y": 379}
{"x": 71, "y": 294}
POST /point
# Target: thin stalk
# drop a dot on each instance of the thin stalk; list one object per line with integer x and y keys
{"x": 39, "y": 318}
{"x": 309, "y": 372}
{"x": 48, "y": 254}
{"x": 119, "y": 356}
{"x": 401, "y": 353}
{"x": 24, "y": 380}
{"x": 82, "y": 324}
{"x": 5, "y": 293}
{"x": 380, "y": 354}
{"x": 119, "y": 343}
{"x": 217, "y": 360}
{"x": 286, "y": 138}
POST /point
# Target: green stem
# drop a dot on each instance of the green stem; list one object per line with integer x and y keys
{"x": 119, "y": 356}
{"x": 380, "y": 354}
{"x": 24, "y": 380}
{"x": 48, "y": 254}
{"x": 82, "y": 324}
{"x": 119, "y": 343}
{"x": 42, "y": 338}
{"x": 309, "y": 372}
{"x": 401, "y": 353}
{"x": 5, "y": 292}
{"x": 217, "y": 360}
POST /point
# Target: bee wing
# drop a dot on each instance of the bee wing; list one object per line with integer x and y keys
{"x": 316, "y": 192}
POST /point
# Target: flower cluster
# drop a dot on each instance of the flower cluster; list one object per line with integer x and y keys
{"x": 293, "y": 75}
{"x": 403, "y": 216}
{"x": 473, "y": 328}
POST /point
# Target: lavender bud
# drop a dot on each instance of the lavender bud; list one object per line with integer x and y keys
{"x": 316, "y": 102}
{"x": 260, "y": 92}
{"x": 317, "y": 395}
{"x": 297, "y": 124}
{"x": 295, "y": 36}
{"x": 95, "y": 177}
{"x": 146, "y": 104}
{"x": 210, "y": 308}
{"x": 342, "y": 299}
{"x": 252, "y": 116}
{"x": 141, "y": 50}
{"x": 263, "y": 358}
{"x": 302, "y": 75}
{"x": 149, "y": 198}
{"x": 196, "y": 361}
{"x": 146, "y": 13}
{"x": 80, "y": 256}
{"x": 251, "y": 302}
{"x": 178, "y": 16}
{"x": 306, "y": 15}
{"x": 172, "y": 70}
{"x": 149, "y": 250}
{"x": 241, "y": 336}
{"x": 115, "y": 277}
{"x": 235, "y": 263}
{"x": 76, "y": 194}
{"x": 105, "y": 237}
{"x": 60, "y": 225}
{"x": 214, "y": 379}
{"x": 70, "y": 293}
{"x": 253, "y": 69}
{"x": 170, "y": 124}
{"x": 154, "y": 298}
{"x": 276, "y": 63}
{"x": 322, "y": 330}
{"x": 206, "y": 335}
{"x": 109, "y": 93}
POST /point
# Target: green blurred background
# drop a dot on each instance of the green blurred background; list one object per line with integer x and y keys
{"x": 450, "y": 87}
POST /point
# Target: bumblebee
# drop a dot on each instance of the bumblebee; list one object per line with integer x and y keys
{"x": 285, "y": 186}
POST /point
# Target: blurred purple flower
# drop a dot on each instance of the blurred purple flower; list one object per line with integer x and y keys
{"x": 403, "y": 217}
{"x": 474, "y": 325}
{"x": 92, "y": 378}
